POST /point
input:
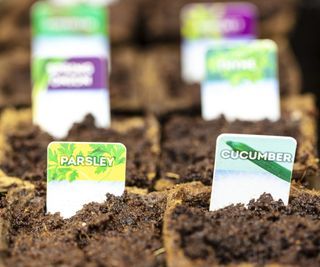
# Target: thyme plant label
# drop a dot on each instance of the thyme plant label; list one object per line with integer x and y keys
{"x": 80, "y": 173}
{"x": 70, "y": 58}
{"x": 241, "y": 81}
{"x": 204, "y": 23}
{"x": 246, "y": 166}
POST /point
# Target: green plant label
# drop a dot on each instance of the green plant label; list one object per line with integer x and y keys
{"x": 79, "y": 19}
{"x": 241, "y": 81}
{"x": 246, "y": 166}
{"x": 80, "y": 173}
{"x": 204, "y": 23}
{"x": 70, "y": 66}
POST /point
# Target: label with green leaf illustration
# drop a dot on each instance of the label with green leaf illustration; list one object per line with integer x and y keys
{"x": 246, "y": 166}
{"x": 80, "y": 173}
{"x": 77, "y": 19}
{"x": 241, "y": 81}
{"x": 70, "y": 66}
{"x": 204, "y": 23}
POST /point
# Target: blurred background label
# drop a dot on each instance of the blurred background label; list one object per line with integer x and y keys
{"x": 70, "y": 55}
{"x": 241, "y": 81}
{"x": 203, "y": 24}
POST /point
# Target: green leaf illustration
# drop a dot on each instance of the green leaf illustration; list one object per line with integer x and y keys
{"x": 100, "y": 169}
{"x": 116, "y": 151}
{"x": 269, "y": 166}
{"x": 57, "y": 172}
{"x": 200, "y": 22}
{"x": 260, "y": 54}
{"x": 66, "y": 149}
{"x": 73, "y": 176}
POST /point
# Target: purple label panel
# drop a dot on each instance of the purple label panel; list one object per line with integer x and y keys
{"x": 239, "y": 20}
{"x": 77, "y": 73}
{"x": 219, "y": 20}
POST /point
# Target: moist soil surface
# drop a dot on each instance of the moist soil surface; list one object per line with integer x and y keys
{"x": 123, "y": 231}
{"x": 188, "y": 144}
{"x": 265, "y": 232}
{"x": 27, "y": 157}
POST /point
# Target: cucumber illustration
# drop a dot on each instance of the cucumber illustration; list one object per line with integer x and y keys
{"x": 269, "y": 166}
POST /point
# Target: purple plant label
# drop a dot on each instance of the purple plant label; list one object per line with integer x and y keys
{"x": 238, "y": 21}
{"x": 204, "y": 24}
{"x": 218, "y": 20}
{"x": 77, "y": 73}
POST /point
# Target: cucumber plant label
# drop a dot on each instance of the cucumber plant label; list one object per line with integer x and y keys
{"x": 204, "y": 23}
{"x": 70, "y": 56}
{"x": 79, "y": 173}
{"x": 241, "y": 81}
{"x": 246, "y": 166}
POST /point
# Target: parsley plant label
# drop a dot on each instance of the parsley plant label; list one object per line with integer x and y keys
{"x": 204, "y": 23}
{"x": 70, "y": 56}
{"x": 80, "y": 173}
{"x": 246, "y": 166}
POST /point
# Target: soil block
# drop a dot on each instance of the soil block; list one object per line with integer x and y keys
{"x": 23, "y": 146}
{"x": 122, "y": 231}
{"x": 264, "y": 233}
{"x": 15, "y": 24}
{"x": 125, "y": 20}
{"x": 161, "y": 82}
{"x": 188, "y": 143}
{"x": 126, "y": 70}
{"x": 15, "y": 81}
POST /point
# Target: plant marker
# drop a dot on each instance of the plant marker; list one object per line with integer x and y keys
{"x": 246, "y": 166}
{"x": 79, "y": 173}
{"x": 204, "y": 23}
{"x": 70, "y": 55}
{"x": 241, "y": 81}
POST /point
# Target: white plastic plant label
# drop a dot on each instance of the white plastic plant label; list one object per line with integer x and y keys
{"x": 70, "y": 56}
{"x": 80, "y": 173}
{"x": 204, "y": 23}
{"x": 241, "y": 81}
{"x": 246, "y": 166}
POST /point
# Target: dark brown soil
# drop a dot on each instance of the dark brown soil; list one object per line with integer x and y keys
{"x": 266, "y": 232}
{"x": 123, "y": 231}
{"x": 27, "y": 158}
{"x": 189, "y": 144}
